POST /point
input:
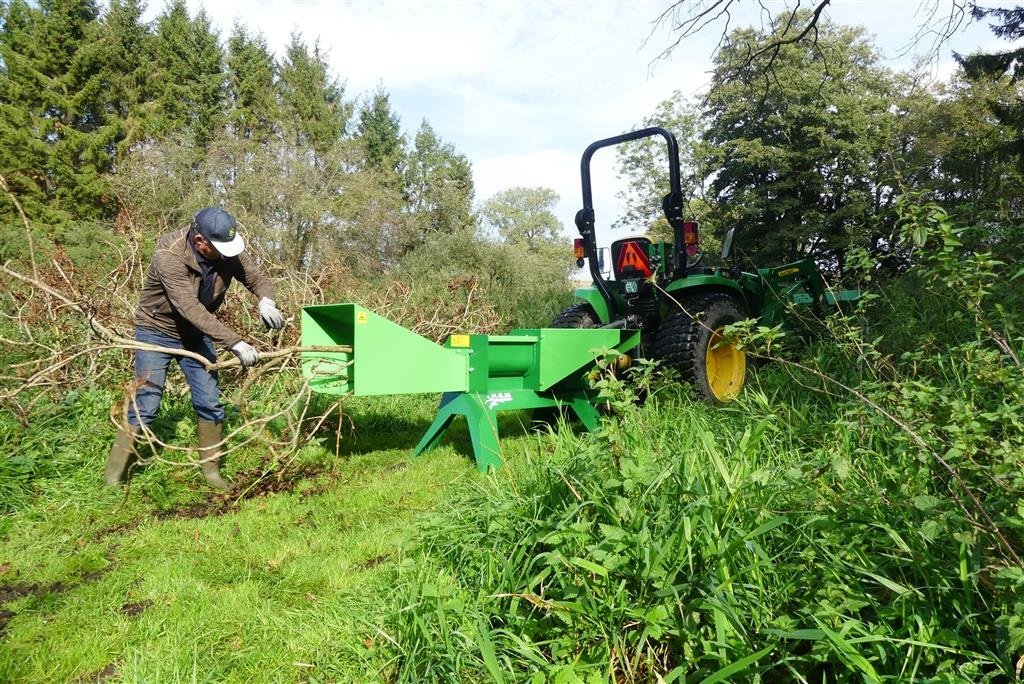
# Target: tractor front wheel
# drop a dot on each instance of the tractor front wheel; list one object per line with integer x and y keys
{"x": 690, "y": 340}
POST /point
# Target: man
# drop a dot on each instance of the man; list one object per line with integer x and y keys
{"x": 186, "y": 282}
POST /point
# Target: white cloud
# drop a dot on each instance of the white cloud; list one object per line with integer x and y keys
{"x": 559, "y": 170}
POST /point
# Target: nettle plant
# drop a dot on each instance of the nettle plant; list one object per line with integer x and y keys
{"x": 937, "y": 385}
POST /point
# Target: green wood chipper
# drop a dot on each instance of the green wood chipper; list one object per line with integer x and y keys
{"x": 660, "y": 303}
{"x": 478, "y": 375}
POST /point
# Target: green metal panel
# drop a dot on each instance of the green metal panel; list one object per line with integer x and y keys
{"x": 660, "y": 254}
{"x": 566, "y": 351}
{"x": 386, "y": 358}
{"x": 511, "y": 355}
{"x": 539, "y": 358}
{"x": 705, "y": 280}
{"x": 831, "y": 298}
{"x": 480, "y": 375}
{"x": 591, "y": 296}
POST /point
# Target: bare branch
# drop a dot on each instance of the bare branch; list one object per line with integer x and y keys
{"x": 24, "y": 220}
{"x": 687, "y": 18}
{"x": 115, "y": 341}
{"x": 939, "y": 27}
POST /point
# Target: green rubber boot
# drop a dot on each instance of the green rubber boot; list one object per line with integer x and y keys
{"x": 120, "y": 455}
{"x": 210, "y": 436}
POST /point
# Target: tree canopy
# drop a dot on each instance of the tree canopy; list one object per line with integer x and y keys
{"x": 809, "y": 158}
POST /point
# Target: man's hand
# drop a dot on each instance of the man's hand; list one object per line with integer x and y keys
{"x": 272, "y": 317}
{"x": 246, "y": 353}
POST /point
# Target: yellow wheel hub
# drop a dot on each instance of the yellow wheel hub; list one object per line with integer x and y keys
{"x": 726, "y": 367}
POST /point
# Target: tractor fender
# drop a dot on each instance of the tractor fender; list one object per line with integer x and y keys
{"x": 593, "y": 297}
{"x": 703, "y": 283}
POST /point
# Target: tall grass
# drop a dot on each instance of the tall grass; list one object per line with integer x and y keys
{"x": 700, "y": 545}
{"x": 856, "y": 516}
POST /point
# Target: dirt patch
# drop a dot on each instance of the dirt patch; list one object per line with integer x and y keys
{"x": 134, "y": 608}
{"x": 12, "y": 592}
{"x": 103, "y": 675}
{"x": 16, "y": 590}
{"x": 371, "y": 563}
{"x": 5, "y": 617}
{"x": 251, "y": 484}
{"x": 117, "y": 528}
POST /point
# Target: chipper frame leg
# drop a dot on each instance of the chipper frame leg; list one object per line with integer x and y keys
{"x": 482, "y": 422}
{"x": 481, "y": 413}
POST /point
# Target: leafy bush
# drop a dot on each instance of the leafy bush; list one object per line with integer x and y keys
{"x": 525, "y": 286}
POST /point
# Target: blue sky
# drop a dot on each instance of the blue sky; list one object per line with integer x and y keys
{"x": 522, "y": 88}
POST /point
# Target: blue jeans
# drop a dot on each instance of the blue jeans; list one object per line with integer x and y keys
{"x": 151, "y": 375}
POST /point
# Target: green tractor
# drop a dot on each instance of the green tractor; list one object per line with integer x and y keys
{"x": 680, "y": 306}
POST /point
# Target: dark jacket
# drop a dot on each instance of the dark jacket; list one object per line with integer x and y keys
{"x": 170, "y": 303}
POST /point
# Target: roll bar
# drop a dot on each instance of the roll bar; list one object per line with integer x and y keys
{"x": 672, "y": 203}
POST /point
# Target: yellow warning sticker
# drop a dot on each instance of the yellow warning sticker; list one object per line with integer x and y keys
{"x": 459, "y": 340}
{"x": 361, "y": 317}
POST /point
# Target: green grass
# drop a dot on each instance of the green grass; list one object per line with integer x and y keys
{"x": 792, "y": 536}
{"x": 760, "y": 542}
{"x": 287, "y": 587}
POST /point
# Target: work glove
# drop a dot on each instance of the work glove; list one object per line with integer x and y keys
{"x": 246, "y": 353}
{"x": 271, "y": 316}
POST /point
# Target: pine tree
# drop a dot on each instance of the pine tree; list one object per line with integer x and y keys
{"x": 314, "y": 119}
{"x": 1009, "y": 63}
{"x": 60, "y": 131}
{"x": 380, "y": 134}
{"x": 84, "y": 109}
{"x": 252, "y": 72}
{"x": 439, "y": 183}
{"x": 128, "y": 45}
{"x": 188, "y": 83}
{"x": 23, "y": 86}
{"x": 313, "y": 109}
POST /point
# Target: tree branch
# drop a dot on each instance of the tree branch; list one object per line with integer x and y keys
{"x": 24, "y": 219}
{"x": 114, "y": 340}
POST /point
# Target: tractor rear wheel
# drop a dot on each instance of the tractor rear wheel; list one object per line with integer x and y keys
{"x": 690, "y": 341}
{"x": 576, "y": 316}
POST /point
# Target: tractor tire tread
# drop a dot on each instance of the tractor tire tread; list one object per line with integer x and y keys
{"x": 576, "y": 316}
{"x": 677, "y": 342}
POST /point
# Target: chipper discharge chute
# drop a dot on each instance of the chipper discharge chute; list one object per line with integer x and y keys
{"x": 479, "y": 375}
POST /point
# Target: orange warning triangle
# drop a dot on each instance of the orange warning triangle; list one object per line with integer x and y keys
{"x": 632, "y": 257}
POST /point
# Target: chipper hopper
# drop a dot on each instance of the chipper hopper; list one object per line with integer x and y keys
{"x": 478, "y": 375}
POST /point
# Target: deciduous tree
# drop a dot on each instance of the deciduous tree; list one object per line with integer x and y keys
{"x": 523, "y": 216}
{"x": 795, "y": 167}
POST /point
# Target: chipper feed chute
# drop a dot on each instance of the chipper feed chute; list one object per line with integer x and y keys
{"x": 479, "y": 375}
